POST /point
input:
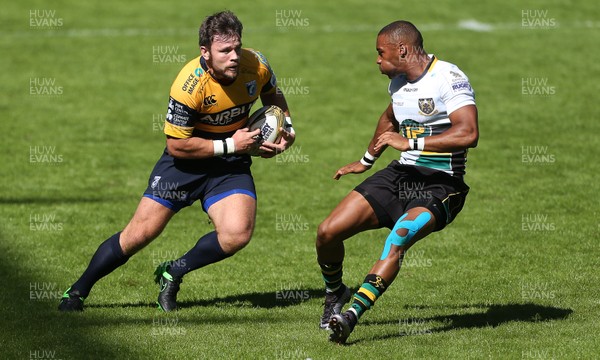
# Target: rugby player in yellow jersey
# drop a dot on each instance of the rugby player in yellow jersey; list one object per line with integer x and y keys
{"x": 206, "y": 158}
{"x": 432, "y": 120}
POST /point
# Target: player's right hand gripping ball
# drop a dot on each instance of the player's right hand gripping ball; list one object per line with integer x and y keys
{"x": 269, "y": 119}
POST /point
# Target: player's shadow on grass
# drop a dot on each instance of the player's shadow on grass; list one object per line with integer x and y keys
{"x": 265, "y": 300}
{"x": 491, "y": 316}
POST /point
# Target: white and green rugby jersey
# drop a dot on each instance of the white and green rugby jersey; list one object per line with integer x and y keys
{"x": 422, "y": 107}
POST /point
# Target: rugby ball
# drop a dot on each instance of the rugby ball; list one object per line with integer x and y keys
{"x": 269, "y": 119}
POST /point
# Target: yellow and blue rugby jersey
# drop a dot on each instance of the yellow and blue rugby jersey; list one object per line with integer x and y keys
{"x": 201, "y": 106}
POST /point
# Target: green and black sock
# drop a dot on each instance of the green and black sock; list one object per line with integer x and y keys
{"x": 372, "y": 288}
{"x": 332, "y": 275}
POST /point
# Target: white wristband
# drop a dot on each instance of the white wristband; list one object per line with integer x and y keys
{"x": 420, "y": 144}
{"x": 287, "y": 125}
{"x": 223, "y": 147}
{"x": 230, "y": 146}
{"x": 218, "y": 146}
{"x": 368, "y": 159}
{"x": 416, "y": 145}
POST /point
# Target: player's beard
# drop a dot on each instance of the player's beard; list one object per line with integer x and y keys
{"x": 232, "y": 72}
{"x": 227, "y": 74}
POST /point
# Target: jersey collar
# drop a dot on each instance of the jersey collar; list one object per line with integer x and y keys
{"x": 203, "y": 64}
{"x": 427, "y": 69}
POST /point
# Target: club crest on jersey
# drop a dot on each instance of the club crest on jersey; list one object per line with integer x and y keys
{"x": 427, "y": 107}
{"x": 251, "y": 87}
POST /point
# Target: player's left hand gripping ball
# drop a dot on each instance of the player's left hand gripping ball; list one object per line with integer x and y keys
{"x": 269, "y": 119}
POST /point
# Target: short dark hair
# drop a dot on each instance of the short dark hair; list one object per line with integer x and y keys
{"x": 223, "y": 23}
{"x": 405, "y": 30}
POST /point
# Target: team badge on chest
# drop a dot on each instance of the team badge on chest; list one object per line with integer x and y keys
{"x": 251, "y": 87}
{"x": 427, "y": 107}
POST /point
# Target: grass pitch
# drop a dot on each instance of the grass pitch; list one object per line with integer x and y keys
{"x": 84, "y": 93}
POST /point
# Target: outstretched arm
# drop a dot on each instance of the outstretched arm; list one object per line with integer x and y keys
{"x": 386, "y": 124}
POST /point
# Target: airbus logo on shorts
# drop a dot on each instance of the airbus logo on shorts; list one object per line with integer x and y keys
{"x": 228, "y": 116}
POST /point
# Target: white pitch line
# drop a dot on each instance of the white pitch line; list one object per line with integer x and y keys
{"x": 467, "y": 24}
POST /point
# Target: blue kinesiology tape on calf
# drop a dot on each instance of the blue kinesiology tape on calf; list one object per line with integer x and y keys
{"x": 413, "y": 227}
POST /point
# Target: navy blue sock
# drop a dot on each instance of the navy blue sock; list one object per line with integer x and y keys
{"x": 206, "y": 251}
{"x": 107, "y": 258}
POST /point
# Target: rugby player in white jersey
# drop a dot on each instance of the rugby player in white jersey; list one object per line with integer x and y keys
{"x": 432, "y": 121}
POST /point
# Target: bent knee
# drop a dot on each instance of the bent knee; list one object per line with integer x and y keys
{"x": 326, "y": 234}
{"x": 133, "y": 240}
{"x": 232, "y": 242}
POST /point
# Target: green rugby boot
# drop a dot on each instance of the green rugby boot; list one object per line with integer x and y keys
{"x": 169, "y": 286}
{"x": 71, "y": 301}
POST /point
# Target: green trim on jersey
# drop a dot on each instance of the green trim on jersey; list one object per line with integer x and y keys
{"x": 440, "y": 162}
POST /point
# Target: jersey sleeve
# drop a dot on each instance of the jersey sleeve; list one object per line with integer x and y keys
{"x": 181, "y": 114}
{"x": 179, "y": 122}
{"x": 456, "y": 91}
{"x": 267, "y": 76}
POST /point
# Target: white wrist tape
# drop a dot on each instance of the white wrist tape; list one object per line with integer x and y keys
{"x": 224, "y": 147}
{"x": 218, "y": 146}
{"x": 287, "y": 125}
{"x": 419, "y": 144}
{"x": 230, "y": 146}
{"x": 368, "y": 159}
